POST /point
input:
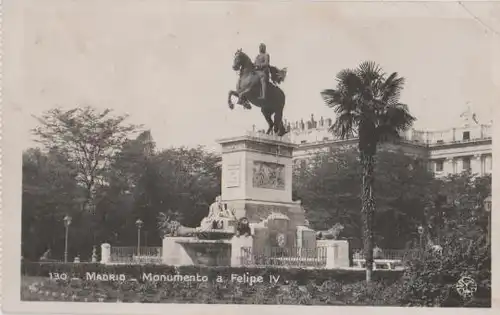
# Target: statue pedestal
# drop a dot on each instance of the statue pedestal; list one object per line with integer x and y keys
{"x": 257, "y": 184}
{"x": 257, "y": 177}
{"x": 241, "y": 251}
{"x": 174, "y": 253}
{"x": 337, "y": 253}
{"x": 105, "y": 253}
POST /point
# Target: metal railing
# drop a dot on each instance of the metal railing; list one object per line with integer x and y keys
{"x": 387, "y": 258}
{"x": 391, "y": 254}
{"x": 285, "y": 257}
{"x": 129, "y": 255}
{"x": 432, "y": 138}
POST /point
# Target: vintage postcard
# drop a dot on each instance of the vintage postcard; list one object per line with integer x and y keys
{"x": 223, "y": 157}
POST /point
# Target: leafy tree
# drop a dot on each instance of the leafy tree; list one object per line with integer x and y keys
{"x": 329, "y": 189}
{"x": 88, "y": 138}
{"x": 367, "y": 103}
{"x": 189, "y": 180}
{"x": 130, "y": 168}
{"x": 457, "y": 198}
{"x": 461, "y": 231}
{"x": 90, "y": 160}
{"x": 145, "y": 183}
{"x": 49, "y": 192}
{"x": 458, "y": 222}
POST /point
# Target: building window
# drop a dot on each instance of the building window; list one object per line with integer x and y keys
{"x": 325, "y": 138}
{"x": 440, "y": 142}
{"x": 303, "y": 141}
{"x": 466, "y": 163}
{"x": 466, "y": 136}
{"x": 439, "y": 165}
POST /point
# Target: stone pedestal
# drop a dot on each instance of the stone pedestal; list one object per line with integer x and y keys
{"x": 174, "y": 253}
{"x": 306, "y": 237}
{"x": 337, "y": 253}
{"x": 241, "y": 251}
{"x": 257, "y": 177}
{"x": 105, "y": 253}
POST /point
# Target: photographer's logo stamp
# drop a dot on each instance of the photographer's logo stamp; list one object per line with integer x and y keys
{"x": 466, "y": 287}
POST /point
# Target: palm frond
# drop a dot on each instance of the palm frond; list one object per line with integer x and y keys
{"x": 396, "y": 119}
{"x": 369, "y": 68}
{"x": 399, "y": 116}
{"x": 343, "y": 76}
{"x": 369, "y": 72}
{"x": 344, "y": 125}
{"x": 331, "y": 97}
{"x": 348, "y": 82}
{"x": 391, "y": 89}
{"x": 366, "y": 97}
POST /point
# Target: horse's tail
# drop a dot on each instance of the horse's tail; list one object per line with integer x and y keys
{"x": 278, "y": 75}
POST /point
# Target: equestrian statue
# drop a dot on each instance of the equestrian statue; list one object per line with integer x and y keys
{"x": 254, "y": 87}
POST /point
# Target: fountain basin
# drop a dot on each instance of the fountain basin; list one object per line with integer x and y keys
{"x": 207, "y": 252}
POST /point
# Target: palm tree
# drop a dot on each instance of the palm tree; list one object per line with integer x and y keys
{"x": 367, "y": 105}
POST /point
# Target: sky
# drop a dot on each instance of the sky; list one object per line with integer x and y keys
{"x": 167, "y": 64}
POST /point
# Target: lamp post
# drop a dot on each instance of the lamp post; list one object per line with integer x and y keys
{"x": 487, "y": 207}
{"x": 67, "y": 222}
{"x": 420, "y": 231}
{"x": 139, "y": 224}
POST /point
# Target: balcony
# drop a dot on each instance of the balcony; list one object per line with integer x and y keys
{"x": 448, "y": 136}
{"x": 475, "y": 133}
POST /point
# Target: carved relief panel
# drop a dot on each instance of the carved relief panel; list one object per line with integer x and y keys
{"x": 268, "y": 175}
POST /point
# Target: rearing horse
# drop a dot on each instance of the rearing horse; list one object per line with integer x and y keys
{"x": 248, "y": 91}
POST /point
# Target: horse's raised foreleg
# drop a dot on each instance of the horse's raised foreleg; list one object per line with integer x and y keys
{"x": 243, "y": 100}
{"x": 229, "y": 101}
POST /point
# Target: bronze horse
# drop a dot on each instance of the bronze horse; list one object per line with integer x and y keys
{"x": 248, "y": 91}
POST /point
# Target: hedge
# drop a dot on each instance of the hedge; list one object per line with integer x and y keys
{"x": 299, "y": 275}
{"x": 331, "y": 292}
{"x": 296, "y": 286}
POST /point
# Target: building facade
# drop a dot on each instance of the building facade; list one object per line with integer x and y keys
{"x": 452, "y": 151}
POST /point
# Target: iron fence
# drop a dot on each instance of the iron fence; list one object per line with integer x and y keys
{"x": 391, "y": 254}
{"x": 130, "y": 255}
{"x": 284, "y": 257}
{"x": 386, "y": 258}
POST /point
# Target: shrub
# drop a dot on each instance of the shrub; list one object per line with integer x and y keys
{"x": 296, "y": 286}
{"x": 430, "y": 280}
{"x": 328, "y": 293}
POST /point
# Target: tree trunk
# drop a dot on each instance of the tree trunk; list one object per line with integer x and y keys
{"x": 367, "y": 209}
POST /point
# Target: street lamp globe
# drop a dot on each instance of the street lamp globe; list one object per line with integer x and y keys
{"x": 420, "y": 229}
{"x": 139, "y": 223}
{"x": 67, "y": 220}
{"x": 487, "y": 204}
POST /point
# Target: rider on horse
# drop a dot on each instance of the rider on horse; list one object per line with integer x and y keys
{"x": 262, "y": 68}
{"x": 271, "y": 100}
